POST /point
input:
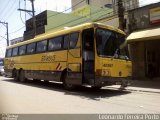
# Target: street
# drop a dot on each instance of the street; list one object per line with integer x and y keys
{"x": 39, "y": 97}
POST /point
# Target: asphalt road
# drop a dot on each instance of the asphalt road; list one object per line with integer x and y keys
{"x": 41, "y": 98}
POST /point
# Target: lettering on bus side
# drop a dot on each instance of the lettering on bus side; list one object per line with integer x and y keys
{"x": 108, "y": 65}
{"x": 50, "y": 58}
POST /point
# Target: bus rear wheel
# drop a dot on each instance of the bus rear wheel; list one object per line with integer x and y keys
{"x": 96, "y": 87}
{"x": 22, "y": 76}
{"x": 15, "y": 75}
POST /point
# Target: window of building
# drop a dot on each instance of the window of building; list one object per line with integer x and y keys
{"x": 55, "y": 43}
{"x": 31, "y": 48}
{"x": 22, "y": 50}
{"x": 15, "y": 51}
{"x": 41, "y": 46}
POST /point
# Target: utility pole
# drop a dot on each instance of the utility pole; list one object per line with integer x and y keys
{"x": 33, "y": 16}
{"x": 6, "y": 25}
{"x": 88, "y": 2}
{"x": 121, "y": 14}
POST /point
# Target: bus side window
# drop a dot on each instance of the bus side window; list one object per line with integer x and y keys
{"x": 9, "y": 53}
{"x": 65, "y": 42}
{"x": 15, "y": 51}
{"x": 31, "y": 48}
{"x": 55, "y": 43}
{"x": 41, "y": 46}
{"x": 73, "y": 39}
{"x": 22, "y": 50}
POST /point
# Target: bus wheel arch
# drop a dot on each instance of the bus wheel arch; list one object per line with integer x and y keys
{"x": 62, "y": 75}
{"x": 66, "y": 85}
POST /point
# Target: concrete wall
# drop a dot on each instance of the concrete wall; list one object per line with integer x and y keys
{"x": 128, "y": 4}
{"x": 75, "y": 2}
{"x": 137, "y": 52}
{"x": 113, "y": 21}
{"x": 153, "y": 56}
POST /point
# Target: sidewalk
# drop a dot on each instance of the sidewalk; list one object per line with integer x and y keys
{"x": 142, "y": 86}
{"x": 145, "y": 85}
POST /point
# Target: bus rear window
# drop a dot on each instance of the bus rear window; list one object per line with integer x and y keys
{"x": 9, "y": 53}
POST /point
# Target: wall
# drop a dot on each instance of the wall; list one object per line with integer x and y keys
{"x": 137, "y": 51}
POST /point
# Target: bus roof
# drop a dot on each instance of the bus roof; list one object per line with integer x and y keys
{"x": 64, "y": 31}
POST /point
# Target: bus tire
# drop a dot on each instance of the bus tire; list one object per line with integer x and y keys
{"x": 66, "y": 85}
{"x": 46, "y": 81}
{"x": 15, "y": 75}
{"x": 22, "y": 76}
{"x": 96, "y": 87}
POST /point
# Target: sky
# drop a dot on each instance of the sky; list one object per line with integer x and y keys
{"x": 16, "y": 19}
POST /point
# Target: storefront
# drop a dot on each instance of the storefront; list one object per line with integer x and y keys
{"x": 144, "y": 48}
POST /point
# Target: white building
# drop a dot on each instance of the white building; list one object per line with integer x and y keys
{"x": 128, "y": 4}
{"x": 16, "y": 40}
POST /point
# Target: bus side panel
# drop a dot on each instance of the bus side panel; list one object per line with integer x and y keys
{"x": 45, "y": 66}
{"x": 43, "y": 75}
{"x": 74, "y": 64}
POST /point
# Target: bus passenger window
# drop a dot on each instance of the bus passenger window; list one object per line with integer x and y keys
{"x": 31, "y": 48}
{"x": 15, "y": 51}
{"x": 22, "y": 50}
{"x": 65, "y": 43}
{"x": 55, "y": 43}
{"x": 9, "y": 53}
{"x": 73, "y": 39}
{"x": 41, "y": 46}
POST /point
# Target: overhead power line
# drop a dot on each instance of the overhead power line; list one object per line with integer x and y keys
{"x": 6, "y": 25}
{"x": 10, "y": 13}
{"x": 74, "y": 19}
{"x": 89, "y": 15}
{"x": 17, "y": 30}
{"x": 51, "y": 15}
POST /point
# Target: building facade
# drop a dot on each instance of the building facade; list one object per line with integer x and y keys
{"x": 16, "y": 40}
{"x": 128, "y": 4}
{"x": 144, "y": 41}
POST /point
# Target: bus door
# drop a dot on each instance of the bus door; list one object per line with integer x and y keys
{"x": 88, "y": 57}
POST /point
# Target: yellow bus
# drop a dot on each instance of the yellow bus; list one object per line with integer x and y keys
{"x": 86, "y": 54}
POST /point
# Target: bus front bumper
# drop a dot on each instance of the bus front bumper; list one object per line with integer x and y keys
{"x": 106, "y": 81}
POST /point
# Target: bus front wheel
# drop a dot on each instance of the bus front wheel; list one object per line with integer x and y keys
{"x": 67, "y": 86}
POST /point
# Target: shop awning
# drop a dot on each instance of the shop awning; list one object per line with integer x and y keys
{"x": 143, "y": 35}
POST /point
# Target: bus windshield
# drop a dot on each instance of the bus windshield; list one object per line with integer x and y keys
{"x": 107, "y": 42}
